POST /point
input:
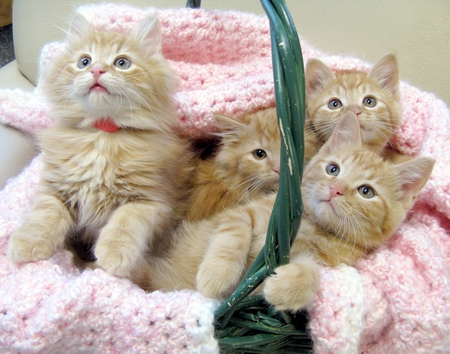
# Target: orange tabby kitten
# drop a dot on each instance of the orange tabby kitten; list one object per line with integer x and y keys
{"x": 113, "y": 168}
{"x": 374, "y": 97}
{"x": 353, "y": 202}
{"x": 245, "y": 166}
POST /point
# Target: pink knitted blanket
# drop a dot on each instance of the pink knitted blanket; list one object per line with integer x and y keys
{"x": 395, "y": 301}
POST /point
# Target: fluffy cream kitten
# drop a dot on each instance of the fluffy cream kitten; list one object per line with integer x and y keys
{"x": 114, "y": 171}
{"x": 373, "y": 97}
{"x": 353, "y": 202}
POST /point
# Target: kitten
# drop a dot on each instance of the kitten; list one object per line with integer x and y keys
{"x": 245, "y": 165}
{"x": 113, "y": 168}
{"x": 353, "y": 202}
{"x": 374, "y": 97}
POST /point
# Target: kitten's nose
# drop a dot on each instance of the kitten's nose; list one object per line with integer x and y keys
{"x": 335, "y": 190}
{"x": 97, "y": 70}
{"x": 356, "y": 110}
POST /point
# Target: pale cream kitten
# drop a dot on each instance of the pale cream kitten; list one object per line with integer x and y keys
{"x": 245, "y": 165}
{"x": 114, "y": 172}
{"x": 353, "y": 202}
{"x": 374, "y": 97}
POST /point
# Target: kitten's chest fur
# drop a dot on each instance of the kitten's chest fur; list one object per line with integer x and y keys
{"x": 331, "y": 249}
{"x": 94, "y": 172}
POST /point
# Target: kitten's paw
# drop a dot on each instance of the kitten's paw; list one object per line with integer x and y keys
{"x": 217, "y": 281}
{"x": 292, "y": 286}
{"x": 24, "y": 247}
{"x": 116, "y": 256}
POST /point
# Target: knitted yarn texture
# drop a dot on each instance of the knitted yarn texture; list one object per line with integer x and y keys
{"x": 395, "y": 301}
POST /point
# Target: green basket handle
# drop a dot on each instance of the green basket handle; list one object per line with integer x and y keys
{"x": 244, "y": 323}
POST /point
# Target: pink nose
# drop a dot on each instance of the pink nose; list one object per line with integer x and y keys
{"x": 276, "y": 170}
{"x": 335, "y": 190}
{"x": 356, "y": 110}
{"x": 97, "y": 71}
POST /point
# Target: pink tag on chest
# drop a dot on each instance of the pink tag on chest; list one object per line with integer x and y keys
{"x": 107, "y": 125}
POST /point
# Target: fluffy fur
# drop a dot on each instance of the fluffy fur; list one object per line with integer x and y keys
{"x": 353, "y": 202}
{"x": 374, "y": 97}
{"x": 244, "y": 167}
{"x": 397, "y": 300}
{"x": 246, "y": 164}
{"x": 113, "y": 188}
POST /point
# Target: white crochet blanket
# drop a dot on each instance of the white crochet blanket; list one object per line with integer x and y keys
{"x": 395, "y": 301}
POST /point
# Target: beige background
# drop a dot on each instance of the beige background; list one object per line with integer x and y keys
{"x": 417, "y": 31}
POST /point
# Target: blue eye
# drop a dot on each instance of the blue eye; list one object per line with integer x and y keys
{"x": 366, "y": 191}
{"x": 122, "y": 63}
{"x": 332, "y": 169}
{"x": 84, "y": 62}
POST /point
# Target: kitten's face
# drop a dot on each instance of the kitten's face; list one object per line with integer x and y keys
{"x": 373, "y": 97}
{"x": 112, "y": 75}
{"x": 353, "y": 193}
{"x": 252, "y": 149}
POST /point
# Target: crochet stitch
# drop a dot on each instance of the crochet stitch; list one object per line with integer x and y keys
{"x": 397, "y": 300}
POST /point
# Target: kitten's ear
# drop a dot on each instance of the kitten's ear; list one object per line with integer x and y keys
{"x": 386, "y": 73}
{"x": 346, "y": 132}
{"x": 148, "y": 32}
{"x": 79, "y": 28}
{"x": 227, "y": 124}
{"x": 413, "y": 175}
{"x": 317, "y": 74}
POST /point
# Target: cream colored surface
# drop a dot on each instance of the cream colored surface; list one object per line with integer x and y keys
{"x": 417, "y": 31}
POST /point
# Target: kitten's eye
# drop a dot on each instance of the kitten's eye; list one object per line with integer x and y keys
{"x": 333, "y": 169}
{"x": 369, "y": 101}
{"x": 84, "y": 62}
{"x": 334, "y": 104}
{"x": 259, "y": 154}
{"x": 122, "y": 63}
{"x": 366, "y": 191}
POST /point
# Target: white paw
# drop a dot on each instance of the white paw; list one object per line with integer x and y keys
{"x": 115, "y": 261}
{"x": 292, "y": 286}
{"x": 25, "y": 247}
{"x": 217, "y": 281}
{"x": 115, "y": 255}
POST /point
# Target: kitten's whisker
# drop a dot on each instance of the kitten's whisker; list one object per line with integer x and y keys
{"x": 325, "y": 129}
{"x": 353, "y": 221}
{"x": 361, "y": 230}
{"x": 140, "y": 98}
{"x": 337, "y": 231}
{"x": 364, "y": 216}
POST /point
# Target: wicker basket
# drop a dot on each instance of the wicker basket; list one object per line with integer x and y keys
{"x": 244, "y": 323}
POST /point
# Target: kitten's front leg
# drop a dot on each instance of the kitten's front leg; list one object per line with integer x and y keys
{"x": 293, "y": 285}
{"x": 226, "y": 257}
{"x": 123, "y": 241}
{"x": 43, "y": 232}
{"x": 238, "y": 231}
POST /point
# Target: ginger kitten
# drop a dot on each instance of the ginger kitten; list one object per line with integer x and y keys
{"x": 114, "y": 172}
{"x": 373, "y": 97}
{"x": 245, "y": 165}
{"x": 353, "y": 202}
